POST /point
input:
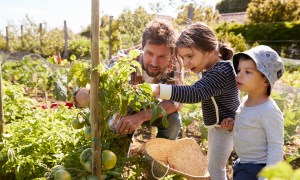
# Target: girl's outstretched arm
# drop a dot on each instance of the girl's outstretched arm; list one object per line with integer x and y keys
{"x": 155, "y": 89}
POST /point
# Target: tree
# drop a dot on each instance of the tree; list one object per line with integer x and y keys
{"x": 156, "y": 7}
{"x": 131, "y": 26}
{"x": 126, "y": 30}
{"x": 205, "y": 14}
{"x": 115, "y": 40}
{"x": 53, "y": 41}
{"x": 263, "y": 11}
{"x": 230, "y": 6}
{"x": 2, "y": 42}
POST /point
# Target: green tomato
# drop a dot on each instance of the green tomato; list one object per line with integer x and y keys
{"x": 76, "y": 124}
{"x": 86, "y": 159}
{"x": 88, "y": 166}
{"x": 88, "y": 117}
{"x": 109, "y": 159}
{"x": 92, "y": 177}
{"x": 62, "y": 175}
{"x": 88, "y": 133}
{"x": 56, "y": 168}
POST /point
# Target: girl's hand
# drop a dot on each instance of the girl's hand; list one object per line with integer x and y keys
{"x": 227, "y": 123}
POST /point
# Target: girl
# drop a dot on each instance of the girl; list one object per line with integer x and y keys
{"x": 201, "y": 52}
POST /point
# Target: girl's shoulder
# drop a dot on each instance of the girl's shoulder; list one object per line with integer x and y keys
{"x": 223, "y": 67}
{"x": 224, "y": 63}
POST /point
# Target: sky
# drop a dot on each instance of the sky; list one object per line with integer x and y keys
{"x": 77, "y": 13}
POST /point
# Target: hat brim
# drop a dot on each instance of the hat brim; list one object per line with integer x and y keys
{"x": 236, "y": 58}
{"x": 235, "y": 61}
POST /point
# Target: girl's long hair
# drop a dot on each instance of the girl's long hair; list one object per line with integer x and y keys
{"x": 200, "y": 36}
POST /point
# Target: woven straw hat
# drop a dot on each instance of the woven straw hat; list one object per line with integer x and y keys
{"x": 182, "y": 157}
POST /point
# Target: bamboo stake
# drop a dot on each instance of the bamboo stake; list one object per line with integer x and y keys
{"x": 22, "y": 34}
{"x": 7, "y": 40}
{"x": 94, "y": 91}
{"x": 66, "y": 36}
{"x": 1, "y": 103}
{"x": 41, "y": 41}
{"x": 109, "y": 37}
{"x": 2, "y": 122}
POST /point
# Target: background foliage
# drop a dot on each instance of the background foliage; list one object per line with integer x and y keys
{"x": 231, "y": 6}
{"x": 275, "y": 23}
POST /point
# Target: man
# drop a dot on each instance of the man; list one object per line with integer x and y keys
{"x": 159, "y": 65}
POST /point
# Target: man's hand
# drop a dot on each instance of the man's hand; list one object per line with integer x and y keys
{"x": 227, "y": 123}
{"x": 128, "y": 124}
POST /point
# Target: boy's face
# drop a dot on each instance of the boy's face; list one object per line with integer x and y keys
{"x": 156, "y": 59}
{"x": 249, "y": 79}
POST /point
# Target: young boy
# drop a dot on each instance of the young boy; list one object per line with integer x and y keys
{"x": 258, "y": 132}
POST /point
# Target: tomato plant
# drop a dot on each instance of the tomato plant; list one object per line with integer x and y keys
{"x": 37, "y": 139}
{"x": 116, "y": 95}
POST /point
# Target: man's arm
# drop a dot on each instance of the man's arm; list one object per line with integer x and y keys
{"x": 128, "y": 124}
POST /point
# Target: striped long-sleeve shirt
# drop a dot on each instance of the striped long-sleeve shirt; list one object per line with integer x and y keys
{"x": 219, "y": 82}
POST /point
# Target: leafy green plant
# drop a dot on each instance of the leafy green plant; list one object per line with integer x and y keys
{"x": 289, "y": 107}
{"x": 16, "y": 105}
{"x": 292, "y": 79}
{"x": 80, "y": 47}
{"x": 36, "y": 139}
{"x": 29, "y": 72}
{"x": 114, "y": 88}
{"x": 117, "y": 96}
{"x": 281, "y": 170}
{"x": 39, "y": 76}
{"x": 2, "y": 42}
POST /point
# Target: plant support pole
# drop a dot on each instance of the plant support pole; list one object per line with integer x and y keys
{"x": 1, "y": 102}
{"x": 7, "y": 39}
{"x": 109, "y": 37}
{"x": 94, "y": 90}
{"x": 66, "y": 36}
{"x": 22, "y": 35}
{"x": 41, "y": 41}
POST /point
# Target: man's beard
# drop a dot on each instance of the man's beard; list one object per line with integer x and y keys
{"x": 152, "y": 74}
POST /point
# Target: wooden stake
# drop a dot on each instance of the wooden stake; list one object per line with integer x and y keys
{"x": 7, "y": 40}
{"x": 94, "y": 90}
{"x": 41, "y": 41}
{"x": 66, "y": 36}
{"x": 22, "y": 34}
{"x": 1, "y": 102}
{"x": 109, "y": 37}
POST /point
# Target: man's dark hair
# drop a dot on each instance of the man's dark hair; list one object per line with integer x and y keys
{"x": 159, "y": 32}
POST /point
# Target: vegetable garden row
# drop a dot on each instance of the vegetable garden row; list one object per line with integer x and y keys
{"x": 37, "y": 141}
